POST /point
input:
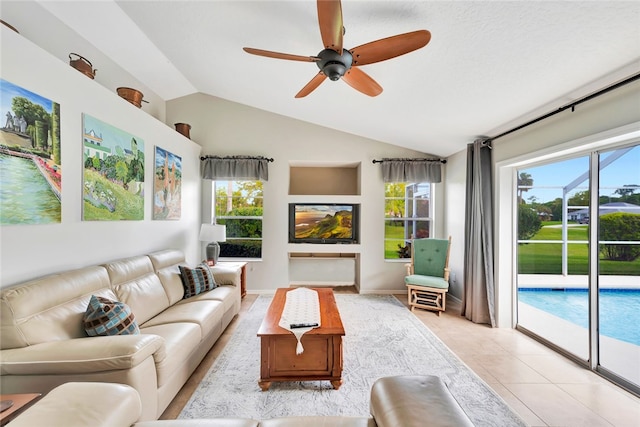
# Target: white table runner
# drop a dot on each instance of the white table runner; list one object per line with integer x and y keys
{"x": 301, "y": 306}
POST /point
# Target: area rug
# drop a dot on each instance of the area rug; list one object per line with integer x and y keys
{"x": 383, "y": 338}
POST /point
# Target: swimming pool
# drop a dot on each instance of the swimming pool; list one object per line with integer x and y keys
{"x": 619, "y": 309}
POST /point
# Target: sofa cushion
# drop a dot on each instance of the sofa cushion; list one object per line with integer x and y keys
{"x": 49, "y": 308}
{"x": 410, "y": 400}
{"x": 165, "y": 263}
{"x": 180, "y": 340}
{"x": 135, "y": 283}
{"x": 196, "y": 280}
{"x": 105, "y": 317}
{"x": 229, "y": 296}
{"x": 84, "y": 404}
{"x": 207, "y": 314}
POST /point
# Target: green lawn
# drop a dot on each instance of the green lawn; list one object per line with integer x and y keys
{"x": 391, "y": 246}
{"x": 543, "y": 258}
{"x": 128, "y": 206}
{"x": 546, "y": 258}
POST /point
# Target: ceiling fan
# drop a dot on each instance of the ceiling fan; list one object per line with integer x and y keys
{"x": 336, "y": 62}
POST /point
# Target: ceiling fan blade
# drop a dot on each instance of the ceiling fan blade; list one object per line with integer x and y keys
{"x": 279, "y": 55}
{"x": 359, "y": 80}
{"x": 390, "y": 47}
{"x": 331, "y": 27}
{"x": 312, "y": 85}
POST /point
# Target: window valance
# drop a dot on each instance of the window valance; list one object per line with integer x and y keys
{"x": 411, "y": 170}
{"x": 235, "y": 168}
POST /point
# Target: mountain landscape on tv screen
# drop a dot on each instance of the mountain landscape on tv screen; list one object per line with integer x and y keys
{"x": 323, "y": 224}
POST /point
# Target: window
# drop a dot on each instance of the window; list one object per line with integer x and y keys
{"x": 407, "y": 216}
{"x": 238, "y": 205}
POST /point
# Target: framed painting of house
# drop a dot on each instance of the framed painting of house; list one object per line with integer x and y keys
{"x": 113, "y": 184}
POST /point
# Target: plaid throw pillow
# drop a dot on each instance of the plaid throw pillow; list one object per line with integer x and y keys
{"x": 105, "y": 317}
{"x": 196, "y": 280}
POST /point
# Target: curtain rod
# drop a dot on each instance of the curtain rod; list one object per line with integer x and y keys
{"x": 572, "y": 105}
{"x": 237, "y": 157}
{"x": 412, "y": 160}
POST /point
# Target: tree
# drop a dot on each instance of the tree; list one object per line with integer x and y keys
{"x": 556, "y": 208}
{"x": 136, "y": 170}
{"x": 524, "y": 181}
{"x": 122, "y": 172}
{"x": 251, "y": 191}
{"x": 528, "y": 222}
{"x": 394, "y": 202}
{"x": 626, "y": 190}
{"x": 31, "y": 112}
{"x": 581, "y": 198}
{"x": 55, "y": 133}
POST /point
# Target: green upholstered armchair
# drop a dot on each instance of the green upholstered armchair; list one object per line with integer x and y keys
{"x": 427, "y": 276}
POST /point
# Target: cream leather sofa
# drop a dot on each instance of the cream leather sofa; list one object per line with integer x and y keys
{"x": 401, "y": 401}
{"x": 43, "y": 342}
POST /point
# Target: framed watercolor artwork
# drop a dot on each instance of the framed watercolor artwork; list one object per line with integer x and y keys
{"x": 167, "y": 185}
{"x": 113, "y": 184}
{"x": 30, "y": 161}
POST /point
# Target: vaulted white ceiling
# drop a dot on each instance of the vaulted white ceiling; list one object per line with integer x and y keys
{"x": 489, "y": 65}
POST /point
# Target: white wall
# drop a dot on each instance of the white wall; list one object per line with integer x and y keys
{"x": 28, "y": 251}
{"x": 38, "y": 25}
{"x": 225, "y": 128}
{"x": 455, "y": 203}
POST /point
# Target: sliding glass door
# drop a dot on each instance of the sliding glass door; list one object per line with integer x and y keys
{"x": 578, "y": 251}
{"x": 553, "y": 253}
{"x": 619, "y": 264}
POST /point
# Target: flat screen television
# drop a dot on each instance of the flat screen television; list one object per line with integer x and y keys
{"x": 324, "y": 223}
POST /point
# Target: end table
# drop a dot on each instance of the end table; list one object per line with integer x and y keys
{"x": 20, "y": 403}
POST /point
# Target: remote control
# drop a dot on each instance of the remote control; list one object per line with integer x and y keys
{"x": 302, "y": 325}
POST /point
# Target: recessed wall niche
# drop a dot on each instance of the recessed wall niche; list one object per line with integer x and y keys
{"x": 324, "y": 179}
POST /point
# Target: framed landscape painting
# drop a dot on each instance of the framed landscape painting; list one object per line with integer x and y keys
{"x": 30, "y": 162}
{"x": 113, "y": 185}
{"x": 167, "y": 185}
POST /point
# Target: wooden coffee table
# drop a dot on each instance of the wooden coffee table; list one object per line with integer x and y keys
{"x": 322, "y": 356}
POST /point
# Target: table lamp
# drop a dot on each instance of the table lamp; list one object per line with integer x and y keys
{"x": 213, "y": 233}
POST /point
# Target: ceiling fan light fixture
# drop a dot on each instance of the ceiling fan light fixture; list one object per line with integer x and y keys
{"x": 334, "y": 70}
{"x": 334, "y": 65}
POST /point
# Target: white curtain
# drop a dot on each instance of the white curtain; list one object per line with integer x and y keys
{"x": 411, "y": 170}
{"x": 478, "y": 289}
{"x": 235, "y": 168}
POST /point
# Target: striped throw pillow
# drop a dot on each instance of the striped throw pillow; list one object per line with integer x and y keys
{"x": 105, "y": 317}
{"x": 196, "y": 280}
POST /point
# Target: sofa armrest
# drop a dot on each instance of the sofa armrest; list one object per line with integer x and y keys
{"x": 81, "y": 355}
{"x": 84, "y": 404}
{"x": 410, "y": 400}
{"x": 227, "y": 275}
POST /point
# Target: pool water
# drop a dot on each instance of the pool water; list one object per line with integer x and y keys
{"x": 619, "y": 309}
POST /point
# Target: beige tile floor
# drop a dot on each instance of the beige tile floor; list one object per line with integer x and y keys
{"x": 543, "y": 387}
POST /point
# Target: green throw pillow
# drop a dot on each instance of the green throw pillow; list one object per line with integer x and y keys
{"x": 105, "y": 317}
{"x": 196, "y": 280}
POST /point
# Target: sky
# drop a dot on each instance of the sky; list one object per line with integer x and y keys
{"x": 112, "y": 135}
{"x": 173, "y": 159}
{"x": 8, "y": 91}
{"x": 623, "y": 171}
